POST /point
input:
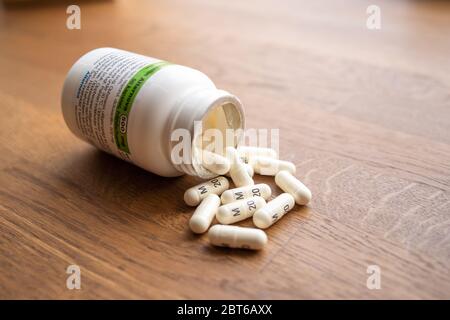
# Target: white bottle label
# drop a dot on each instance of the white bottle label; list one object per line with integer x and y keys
{"x": 105, "y": 96}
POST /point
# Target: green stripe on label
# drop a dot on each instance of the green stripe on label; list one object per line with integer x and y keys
{"x": 126, "y": 102}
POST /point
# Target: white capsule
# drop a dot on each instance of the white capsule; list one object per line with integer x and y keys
{"x": 246, "y": 153}
{"x": 290, "y": 184}
{"x": 269, "y": 167}
{"x": 239, "y": 210}
{"x": 237, "y": 237}
{"x": 273, "y": 211}
{"x": 257, "y": 190}
{"x": 215, "y": 162}
{"x": 204, "y": 214}
{"x": 197, "y": 193}
{"x": 248, "y": 168}
{"x": 238, "y": 172}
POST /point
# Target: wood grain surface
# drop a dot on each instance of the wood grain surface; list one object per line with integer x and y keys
{"x": 364, "y": 114}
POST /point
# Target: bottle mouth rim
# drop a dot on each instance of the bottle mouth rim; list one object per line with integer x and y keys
{"x": 233, "y": 119}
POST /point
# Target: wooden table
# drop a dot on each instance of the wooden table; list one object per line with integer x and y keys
{"x": 364, "y": 114}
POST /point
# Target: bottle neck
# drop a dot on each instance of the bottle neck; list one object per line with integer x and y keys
{"x": 222, "y": 109}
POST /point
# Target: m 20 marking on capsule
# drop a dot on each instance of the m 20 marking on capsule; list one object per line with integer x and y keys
{"x": 216, "y": 183}
{"x": 251, "y": 205}
{"x": 256, "y": 192}
{"x": 239, "y": 195}
{"x": 202, "y": 190}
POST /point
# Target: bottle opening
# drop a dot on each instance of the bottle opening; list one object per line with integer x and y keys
{"x": 221, "y": 127}
{"x": 213, "y": 120}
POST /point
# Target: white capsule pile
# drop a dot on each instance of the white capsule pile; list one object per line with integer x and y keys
{"x": 215, "y": 199}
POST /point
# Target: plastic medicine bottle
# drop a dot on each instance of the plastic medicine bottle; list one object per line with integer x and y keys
{"x": 128, "y": 105}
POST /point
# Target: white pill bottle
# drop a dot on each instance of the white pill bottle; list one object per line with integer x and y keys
{"x": 131, "y": 105}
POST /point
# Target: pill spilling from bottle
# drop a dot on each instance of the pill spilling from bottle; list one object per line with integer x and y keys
{"x": 123, "y": 102}
{"x": 216, "y": 201}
